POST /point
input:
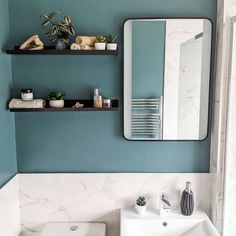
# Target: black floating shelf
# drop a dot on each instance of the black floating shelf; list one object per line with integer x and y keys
{"x": 50, "y": 50}
{"x": 88, "y": 106}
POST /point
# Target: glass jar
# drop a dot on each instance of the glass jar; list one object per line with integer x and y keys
{"x": 27, "y": 94}
{"x": 106, "y": 103}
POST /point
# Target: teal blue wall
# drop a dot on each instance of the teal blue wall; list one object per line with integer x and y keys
{"x": 92, "y": 141}
{"x": 148, "y": 58}
{"x": 7, "y": 132}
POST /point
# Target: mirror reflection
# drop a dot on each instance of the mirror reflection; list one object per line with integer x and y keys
{"x": 166, "y": 78}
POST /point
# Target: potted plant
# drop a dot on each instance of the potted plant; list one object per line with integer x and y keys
{"x": 56, "y": 99}
{"x": 59, "y": 31}
{"x": 100, "y": 43}
{"x": 141, "y": 205}
{"x": 111, "y": 42}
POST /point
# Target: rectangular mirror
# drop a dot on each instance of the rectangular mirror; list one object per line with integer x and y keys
{"x": 166, "y": 78}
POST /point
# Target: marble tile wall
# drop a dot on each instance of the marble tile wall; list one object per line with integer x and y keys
{"x": 222, "y": 158}
{"x": 230, "y": 165}
{"x": 9, "y": 209}
{"x": 98, "y": 197}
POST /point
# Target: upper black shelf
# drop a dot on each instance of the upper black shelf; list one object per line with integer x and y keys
{"x": 49, "y": 50}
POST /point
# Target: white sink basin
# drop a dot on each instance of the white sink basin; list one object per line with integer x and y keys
{"x": 173, "y": 224}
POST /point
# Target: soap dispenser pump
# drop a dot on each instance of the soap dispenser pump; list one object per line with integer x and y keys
{"x": 187, "y": 201}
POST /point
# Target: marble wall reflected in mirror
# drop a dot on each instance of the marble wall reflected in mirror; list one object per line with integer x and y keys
{"x": 166, "y": 78}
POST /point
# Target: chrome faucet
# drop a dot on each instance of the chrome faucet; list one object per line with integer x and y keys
{"x": 165, "y": 205}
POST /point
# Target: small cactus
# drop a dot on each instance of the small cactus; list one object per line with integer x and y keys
{"x": 141, "y": 201}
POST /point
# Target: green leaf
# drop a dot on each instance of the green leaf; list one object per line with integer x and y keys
{"x": 71, "y": 30}
{"x": 48, "y": 34}
{"x": 66, "y": 40}
{"x": 54, "y": 13}
{"x": 54, "y": 30}
{"x": 67, "y": 19}
{"x": 44, "y": 16}
{"x": 53, "y": 40}
{"x": 62, "y": 26}
{"x": 46, "y": 22}
{"x": 64, "y": 22}
{"x": 114, "y": 39}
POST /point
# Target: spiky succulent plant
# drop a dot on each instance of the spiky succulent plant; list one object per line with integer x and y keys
{"x": 111, "y": 38}
{"x": 141, "y": 201}
{"x": 56, "y": 96}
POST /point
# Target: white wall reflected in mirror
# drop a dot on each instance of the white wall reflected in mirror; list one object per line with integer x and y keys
{"x": 187, "y": 73}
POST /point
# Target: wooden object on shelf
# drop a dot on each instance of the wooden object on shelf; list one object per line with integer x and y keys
{"x": 88, "y": 106}
{"x": 85, "y": 40}
{"x": 33, "y": 43}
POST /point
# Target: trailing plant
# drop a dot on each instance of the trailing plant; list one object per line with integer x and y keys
{"x": 58, "y": 29}
{"x": 141, "y": 201}
{"x": 111, "y": 38}
{"x": 101, "y": 39}
{"x": 56, "y": 96}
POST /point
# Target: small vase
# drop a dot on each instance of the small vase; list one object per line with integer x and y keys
{"x": 60, "y": 44}
{"x": 140, "y": 209}
{"x": 187, "y": 201}
{"x": 56, "y": 103}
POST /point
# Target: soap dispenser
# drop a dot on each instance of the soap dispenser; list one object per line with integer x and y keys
{"x": 187, "y": 201}
{"x": 97, "y": 99}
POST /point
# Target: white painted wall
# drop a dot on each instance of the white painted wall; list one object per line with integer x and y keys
{"x": 189, "y": 96}
{"x": 177, "y": 32}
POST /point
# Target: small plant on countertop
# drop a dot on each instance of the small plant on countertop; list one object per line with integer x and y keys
{"x": 141, "y": 205}
{"x": 60, "y": 30}
{"x": 141, "y": 201}
{"x": 111, "y": 39}
{"x": 56, "y": 96}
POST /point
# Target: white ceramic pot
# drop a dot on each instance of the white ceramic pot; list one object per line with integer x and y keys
{"x": 56, "y": 103}
{"x": 140, "y": 209}
{"x": 111, "y": 46}
{"x": 100, "y": 46}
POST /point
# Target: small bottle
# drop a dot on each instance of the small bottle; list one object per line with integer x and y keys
{"x": 187, "y": 201}
{"x": 27, "y": 94}
{"x": 97, "y": 99}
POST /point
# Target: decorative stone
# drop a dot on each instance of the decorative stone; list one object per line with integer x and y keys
{"x": 78, "y": 105}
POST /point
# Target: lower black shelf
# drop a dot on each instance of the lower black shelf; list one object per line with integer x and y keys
{"x": 88, "y": 106}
